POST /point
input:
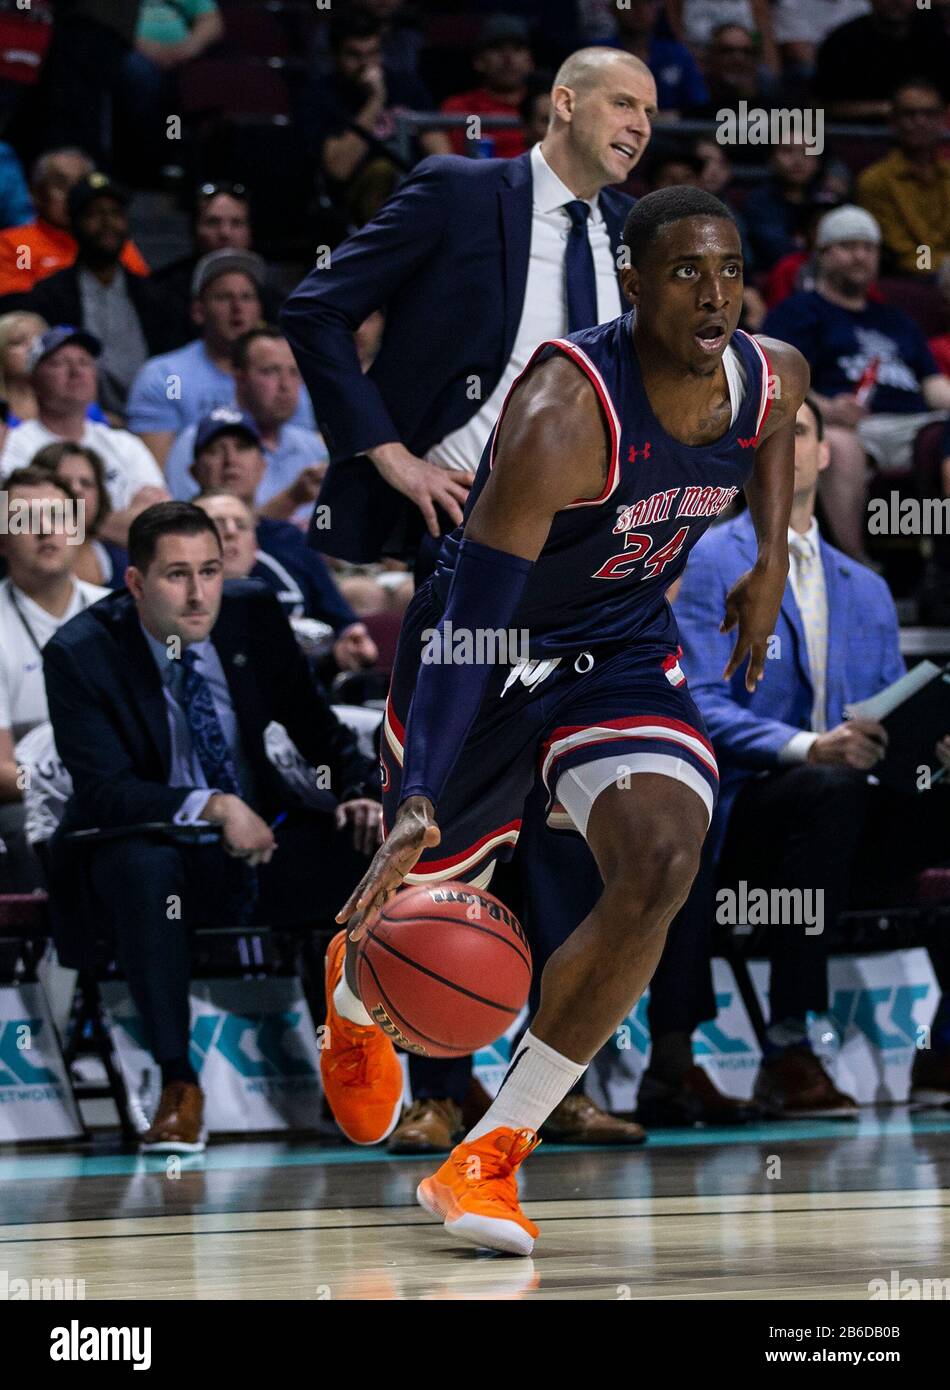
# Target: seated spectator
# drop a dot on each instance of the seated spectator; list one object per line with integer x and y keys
{"x": 170, "y": 33}
{"x": 400, "y": 31}
{"x": 222, "y": 223}
{"x": 777, "y": 211}
{"x": 39, "y": 247}
{"x": 15, "y": 205}
{"x": 348, "y": 114}
{"x": 171, "y": 392}
{"x": 267, "y": 386}
{"x": 801, "y": 25}
{"x": 670, "y": 168}
{"x": 535, "y": 109}
{"x": 228, "y": 457}
{"x": 503, "y": 61}
{"x": 908, "y": 191}
{"x": 63, "y": 371}
{"x": 697, "y": 23}
{"x": 733, "y": 75}
{"x": 39, "y": 594}
{"x": 679, "y": 83}
{"x": 796, "y": 809}
{"x": 939, "y": 346}
{"x": 849, "y": 340}
{"x": 98, "y": 294}
{"x": 255, "y": 548}
{"x": 715, "y": 170}
{"x": 82, "y": 470}
{"x": 859, "y": 64}
{"x": 159, "y": 699}
{"x": 18, "y": 331}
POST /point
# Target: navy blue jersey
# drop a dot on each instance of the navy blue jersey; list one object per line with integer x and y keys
{"x": 605, "y": 567}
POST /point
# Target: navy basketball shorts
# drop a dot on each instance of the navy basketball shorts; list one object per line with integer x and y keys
{"x": 578, "y": 723}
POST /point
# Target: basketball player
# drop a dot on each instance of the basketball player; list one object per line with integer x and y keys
{"x": 613, "y": 452}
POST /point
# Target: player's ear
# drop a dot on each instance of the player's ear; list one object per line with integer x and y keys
{"x": 824, "y": 455}
{"x": 629, "y": 278}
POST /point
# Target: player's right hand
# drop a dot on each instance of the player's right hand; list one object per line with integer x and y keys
{"x": 858, "y": 743}
{"x": 425, "y": 484}
{"x": 413, "y": 832}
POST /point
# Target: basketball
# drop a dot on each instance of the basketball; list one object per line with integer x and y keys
{"x": 445, "y": 969}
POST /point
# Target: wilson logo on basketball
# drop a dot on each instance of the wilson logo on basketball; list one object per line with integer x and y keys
{"x": 387, "y": 1025}
{"x": 494, "y": 910}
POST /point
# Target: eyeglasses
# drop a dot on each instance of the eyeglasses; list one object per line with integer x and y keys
{"x": 212, "y": 190}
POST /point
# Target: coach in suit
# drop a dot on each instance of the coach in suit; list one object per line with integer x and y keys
{"x": 796, "y": 809}
{"x": 159, "y": 698}
{"x": 474, "y": 262}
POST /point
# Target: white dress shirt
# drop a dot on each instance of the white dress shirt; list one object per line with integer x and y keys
{"x": 544, "y": 312}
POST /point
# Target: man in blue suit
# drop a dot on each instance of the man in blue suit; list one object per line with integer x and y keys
{"x": 795, "y": 808}
{"x": 474, "y": 262}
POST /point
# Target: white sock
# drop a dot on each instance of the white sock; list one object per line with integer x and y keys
{"x": 346, "y": 1003}
{"x": 538, "y": 1080}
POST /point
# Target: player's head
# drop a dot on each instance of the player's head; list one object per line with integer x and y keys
{"x": 602, "y": 103}
{"x": 812, "y": 454}
{"x": 684, "y": 275}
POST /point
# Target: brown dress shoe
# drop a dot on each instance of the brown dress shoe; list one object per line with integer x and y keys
{"x": 178, "y": 1123}
{"x": 695, "y": 1101}
{"x": 577, "y": 1120}
{"x": 930, "y": 1078}
{"x": 427, "y": 1127}
{"x": 793, "y": 1085}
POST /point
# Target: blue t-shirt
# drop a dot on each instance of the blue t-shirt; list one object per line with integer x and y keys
{"x": 839, "y": 343}
{"x": 177, "y": 388}
{"x": 679, "y": 83}
{"x": 296, "y": 450}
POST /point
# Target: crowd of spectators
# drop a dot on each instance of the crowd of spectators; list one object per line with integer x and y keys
{"x": 133, "y": 376}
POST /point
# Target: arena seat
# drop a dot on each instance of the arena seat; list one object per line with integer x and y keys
{"x": 256, "y": 30}
{"x": 920, "y": 301}
{"x": 221, "y": 86}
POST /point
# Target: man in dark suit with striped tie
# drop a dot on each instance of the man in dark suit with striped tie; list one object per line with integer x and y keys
{"x": 475, "y": 262}
{"x": 159, "y": 698}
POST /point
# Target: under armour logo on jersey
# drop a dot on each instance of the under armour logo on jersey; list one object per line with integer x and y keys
{"x": 641, "y": 453}
{"x": 748, "y": 443}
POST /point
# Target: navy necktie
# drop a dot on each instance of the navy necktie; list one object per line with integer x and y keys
{"x": 207, "y": 736}
{"x": 217, "y": 763}
{"x": 579, "y": 274}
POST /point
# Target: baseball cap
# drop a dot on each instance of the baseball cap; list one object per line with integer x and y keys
{"x": 222, "y": 263}
{"x": 502, "y": 28}
{"x": 847, "y": 223}
{"x": 90, "y": 186}
{"x": 58, "y": 337}
{"x": 219, "y": 421}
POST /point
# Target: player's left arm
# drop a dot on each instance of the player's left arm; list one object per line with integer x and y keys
{"x": 753, "y": 602}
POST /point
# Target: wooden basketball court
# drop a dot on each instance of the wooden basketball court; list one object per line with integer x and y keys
{"x": 782, "y": 1211}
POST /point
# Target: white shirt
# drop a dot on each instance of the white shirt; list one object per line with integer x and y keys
{"x": 22, "y": 688}
{"x": 797, "y": 748}
{"x": 544, "y": 312}
{"x": 129, "y": 465}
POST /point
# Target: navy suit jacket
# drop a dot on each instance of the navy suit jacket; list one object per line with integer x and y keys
{"x": 749, "y": 730}
{"x": 109, "y": 717}
{"x": 446, "y": 258}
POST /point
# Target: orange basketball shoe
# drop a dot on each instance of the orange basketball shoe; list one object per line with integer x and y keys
{"x": 362, "y": 1076}
{"x": 476, "y": 1191}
